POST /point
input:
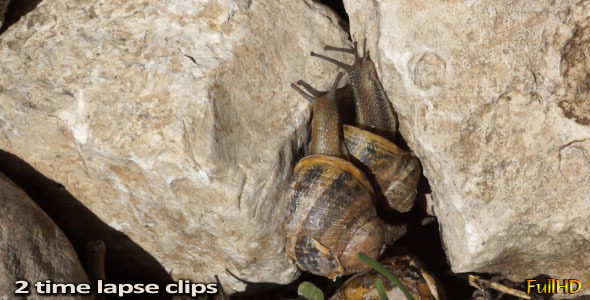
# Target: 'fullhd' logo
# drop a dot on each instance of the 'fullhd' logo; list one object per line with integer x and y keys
{"x": 553, "y": 286}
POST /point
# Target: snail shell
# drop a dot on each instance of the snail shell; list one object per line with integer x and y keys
{"x": 331, "y": 217}
{"x": 410, "y": 272}
{"x": 395, "y": 171}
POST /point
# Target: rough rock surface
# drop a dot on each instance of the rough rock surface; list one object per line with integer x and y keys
{"x": 32, "y": 247}
{"x": 172, "y": 120}
{"x": 494, "y": 98}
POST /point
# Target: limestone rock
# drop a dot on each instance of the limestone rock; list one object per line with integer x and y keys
{"x": 493, "y": 97}
{"x": 172, "y": 120}
{"x": 32, "y": 247}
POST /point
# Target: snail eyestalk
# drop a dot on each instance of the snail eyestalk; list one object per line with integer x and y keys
{"x": 338, "y": 49}
{"x": 308, "y": 97}
{"x": 332, "y": 93}
{"x": 310, "y": 89}
{"x": 353, "y": 50}
{"x": 342, "y": 65}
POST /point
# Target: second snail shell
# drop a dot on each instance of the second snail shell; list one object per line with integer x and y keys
{"x": 408, "y": 270}
{"x": 395, "y": 171}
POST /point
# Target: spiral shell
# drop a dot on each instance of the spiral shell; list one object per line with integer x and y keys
{"x": 410, "y": 272}
{"x": 331, "y": 217}
{"x": 396, "y": 172}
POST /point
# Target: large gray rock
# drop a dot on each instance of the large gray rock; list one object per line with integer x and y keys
{"x": 32, "y": 247}
{"x": 494, "y": 98}
{"x": 172, "y": 120}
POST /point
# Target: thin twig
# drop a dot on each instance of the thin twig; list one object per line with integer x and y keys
{"x": 480, "y": 283}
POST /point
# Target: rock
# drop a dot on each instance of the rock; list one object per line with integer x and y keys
{"x": 493, "y": 97}
{"x": 173, "y": 121}
{"x": 32, "y": 247}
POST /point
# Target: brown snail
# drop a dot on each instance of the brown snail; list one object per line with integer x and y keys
{"x": 396, "y": 172}
{"x": 410, "y": 272}
{"x": 331, "y": 213}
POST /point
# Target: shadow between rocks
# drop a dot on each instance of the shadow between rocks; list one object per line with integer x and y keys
{"x": 15, "y": 10}
{"x": 125, "y": 261}
{"x": 338, "y": 7}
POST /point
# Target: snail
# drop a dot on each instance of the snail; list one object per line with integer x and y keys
{"x": 396, "y": 172}
{"x": 410, "y": 272}
{"x": 331, "y": 214}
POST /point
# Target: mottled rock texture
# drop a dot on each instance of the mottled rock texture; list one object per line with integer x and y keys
{"x": 32, "y": 247}
{"x": 172, "y": 120}
{"x": 494, "y": 98}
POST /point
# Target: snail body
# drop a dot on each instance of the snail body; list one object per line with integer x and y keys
{"x": 331, "y": 214}
{"x": 410, "y": 272}
{"x": 396, "y": 172}
{"x": 374, "y": 112}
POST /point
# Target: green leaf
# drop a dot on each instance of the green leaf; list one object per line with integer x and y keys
{"x": 383, "y": 271}
{"x": 309, "y": 291}
{"x": 381, "y": 289}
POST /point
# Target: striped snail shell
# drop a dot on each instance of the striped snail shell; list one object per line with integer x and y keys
{"x": 396, "y": 172}
{"x": 410, "y": 272}
{"x": 331, "y": 214}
